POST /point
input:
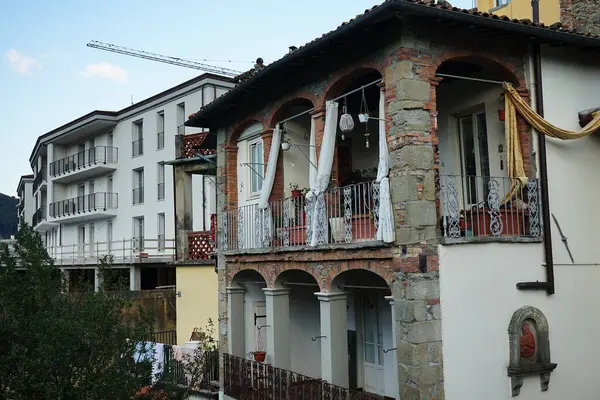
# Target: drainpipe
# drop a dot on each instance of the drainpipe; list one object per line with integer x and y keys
{"x": 548, "y": 286}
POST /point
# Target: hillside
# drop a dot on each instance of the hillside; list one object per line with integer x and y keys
{"x": 8, "y": 216}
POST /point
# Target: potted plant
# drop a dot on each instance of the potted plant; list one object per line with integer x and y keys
{"x": 295, "y": 188}
{"x": 259, "y": 356}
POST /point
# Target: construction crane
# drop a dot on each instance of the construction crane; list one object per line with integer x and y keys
{"x": 164, "y": 59}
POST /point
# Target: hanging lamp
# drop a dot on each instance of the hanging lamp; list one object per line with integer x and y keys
{"x": 364, "y": 117}
{"x": 346, "y": 121}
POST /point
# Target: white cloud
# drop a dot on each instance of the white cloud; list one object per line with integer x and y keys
{"x": 106, "y": 71}
{"x": 22, "y": 63}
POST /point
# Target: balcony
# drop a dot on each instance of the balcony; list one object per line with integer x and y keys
{"x": 348, "y": 214}
{"x": 247, "y": 379}
{"x": 137, "y": 147}
{"x": 40, "y": 180}
{"x": 125, "y": 251}
{"x": 84, "y": 208}
{"x": 481, "y": 209}
{"x": 39, "y": 216}
{"x": 85, "y": 164}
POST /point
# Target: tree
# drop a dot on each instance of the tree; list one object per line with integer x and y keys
{"x": 55, "y": 345}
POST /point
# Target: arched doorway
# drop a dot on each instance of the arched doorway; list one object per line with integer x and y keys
{"x": 371, "y": 334}
{"x": 247, "y": 314}
{"x": 304, "y": 321}
{"x": 473, "y": 153}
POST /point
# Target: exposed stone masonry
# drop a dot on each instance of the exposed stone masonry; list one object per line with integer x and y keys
{"x": 581, "y": 15}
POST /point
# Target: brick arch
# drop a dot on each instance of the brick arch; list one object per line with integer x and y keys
{"x": 277, "y": 112}
{"x": 345, "y": 76}
{"x": 509, "y": 71}
{"x": 240, "y": 127}
{"x": 310, "y": 270}
{"x": 384, "y": 271}
{"x": 265, "y": 273}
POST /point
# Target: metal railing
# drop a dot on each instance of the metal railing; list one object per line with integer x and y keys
{"x": 137, "y": 147}
{"x": 160, "y": 140}
{"x": 208, "y": 371}
{"x": 247, "y": 379}
{"x": 124, "y": 251}
{"x": 161, "y": 190}
{"x": 165, "y": 337}
{"x": 84, "y": 159}
{"x": 481, "y": 206}
{"x": 138, "y": 195}
{"x": 41, "y": 177}
{"x": 38, "y": 216}
{"x": 345, "y": 215}
{"x": 100, "y": 201}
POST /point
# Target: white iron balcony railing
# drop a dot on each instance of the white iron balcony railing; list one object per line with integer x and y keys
{"x": 481, "y": 207}
{"x": 347, "y": 214}
{"x": 124, "y": 251}
{"x": 86, "y": 203}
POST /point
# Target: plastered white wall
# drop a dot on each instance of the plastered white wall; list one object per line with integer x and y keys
{"x": 304, "y": 324}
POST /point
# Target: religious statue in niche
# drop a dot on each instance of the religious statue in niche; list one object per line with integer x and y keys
{"x": 529, "y": 348}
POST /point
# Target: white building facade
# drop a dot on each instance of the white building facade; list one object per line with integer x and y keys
{"x": 25, "y": 206}
{"x": 103, "y": 187}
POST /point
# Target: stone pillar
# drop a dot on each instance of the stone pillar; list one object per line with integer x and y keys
{"x": 394, "y": 365}
{"x": 97, "y": 279}
{"x": 411, "y": 109}
{"x": 235, "y": 313}
{"x": 183, "y": 210}
{"x": 278, "y": 330}
{"x": 231, "y": 170}
{"x": 334, "y": 344}
{"x": 135, "y": 278}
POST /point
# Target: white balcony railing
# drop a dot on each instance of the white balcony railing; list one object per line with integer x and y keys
{"x": 349, "y": 214}
{"x": 478, "y": 207}
{"x": 125, "y": 251}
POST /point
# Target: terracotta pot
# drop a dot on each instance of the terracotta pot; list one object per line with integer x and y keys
{"x": 296, "y": 193}
{"x": 260, "y": 356}
{"x": 501, "y": 115}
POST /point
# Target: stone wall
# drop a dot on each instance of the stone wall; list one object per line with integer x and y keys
{"x": 411, "y": 265}
{"x": 582, "y": 15}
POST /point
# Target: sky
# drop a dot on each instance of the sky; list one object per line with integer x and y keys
{"x": 48, "y": 76}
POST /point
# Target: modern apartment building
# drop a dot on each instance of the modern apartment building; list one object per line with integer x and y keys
{"x": 25, "y": 207}
{"x": 101, "y": 186}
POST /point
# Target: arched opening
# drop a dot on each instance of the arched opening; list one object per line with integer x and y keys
{"x": 254, "y": 314}
{"x": 371, "y": 332}
{"x": 473, "y": 154}
{"x": 304, "y": 321}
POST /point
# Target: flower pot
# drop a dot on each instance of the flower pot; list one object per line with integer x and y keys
{"x": 259, "y": 356}
{"x": 296, "y": 193}
{"x": 501, "y": 115}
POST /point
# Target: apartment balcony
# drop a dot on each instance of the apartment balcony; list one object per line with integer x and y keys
{"x": 348, "y": 214}
{"x": 40, "y": 180}
{"x": 92, "y": 206}
{"x": 86, "y": 164}
{"x": 39, "y": 220}
{"x": 134, "y": 250}
{"x": 484, "y": 209}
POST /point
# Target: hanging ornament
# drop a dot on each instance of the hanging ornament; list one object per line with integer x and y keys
{"x": 364, "y": 111}
{"x": 346, "y": 121}
{"x": 367, "y": 139}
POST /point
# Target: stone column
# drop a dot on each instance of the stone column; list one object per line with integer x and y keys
{"x": 235, "y": 320}
{"x": 183, "y": 210}
{"x": 394, "y": 365}
{"x": 278, "y": 330}
{"x": 334, "y": 344}
{"x": 97, "y": 279}
{"x": 135, "y": 278}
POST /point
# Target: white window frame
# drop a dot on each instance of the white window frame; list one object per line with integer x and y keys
{"x": 180, "y": 118}
{"x": 137, "y": 135}
{"x": 255, "y": 166}
{"x": 160, "y": 179}
{"x": 160, "y": 130}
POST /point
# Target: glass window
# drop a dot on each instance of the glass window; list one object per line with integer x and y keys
{"x": 257, "y": 174}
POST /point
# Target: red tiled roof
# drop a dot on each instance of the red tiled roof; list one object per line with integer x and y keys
{"x": 445, "y": 11}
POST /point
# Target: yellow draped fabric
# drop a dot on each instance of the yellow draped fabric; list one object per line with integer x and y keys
{"x": 514, "y": 103}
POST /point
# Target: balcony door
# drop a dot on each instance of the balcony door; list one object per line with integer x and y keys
{"x": 81, "y": 197}
{"x": 475, "y": 158}
{"x": 374, "y": 366}
{"x": 81, "y": 240}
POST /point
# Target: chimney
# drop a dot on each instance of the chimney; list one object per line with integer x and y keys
{"x": 259, "y": 63}
{"x": 581, "y": 15}
{"x": 293, "y": 49}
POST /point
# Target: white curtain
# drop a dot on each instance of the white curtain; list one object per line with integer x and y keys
{"x": 316, "y": 196}
{"x": 312, "y": 156}
{"x": 264, "y": 210}
{"x": 385, "y": 229}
